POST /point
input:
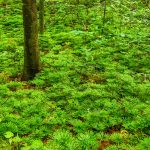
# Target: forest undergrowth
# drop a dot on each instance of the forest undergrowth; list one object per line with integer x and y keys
{"x": 93, "y": 89}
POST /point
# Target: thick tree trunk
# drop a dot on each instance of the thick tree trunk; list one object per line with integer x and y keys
{"x": 41, "y": 16}
{"x": 31, "y": 52}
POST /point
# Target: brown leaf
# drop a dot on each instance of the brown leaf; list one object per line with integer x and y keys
{"x": 104, "y": 144}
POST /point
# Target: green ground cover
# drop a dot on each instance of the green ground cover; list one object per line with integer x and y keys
{"x": 93, "y": 89}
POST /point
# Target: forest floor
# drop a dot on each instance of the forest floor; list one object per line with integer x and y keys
{"x": 93, "y": 90}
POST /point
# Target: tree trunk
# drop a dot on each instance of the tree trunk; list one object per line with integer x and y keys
{"x": 41, "y": 16}
{"x": 31, "y": 52}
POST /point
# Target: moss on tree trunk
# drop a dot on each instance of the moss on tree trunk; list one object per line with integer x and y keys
{"x": 31, "y": 51}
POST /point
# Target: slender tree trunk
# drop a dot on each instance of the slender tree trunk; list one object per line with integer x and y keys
{"x": 31, "y": 52}
{"x": 41, "y": 16}
{"x": 104, "y": 16}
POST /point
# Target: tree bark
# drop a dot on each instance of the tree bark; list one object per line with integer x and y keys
{"x": 41, "y": 16}
{"x": 31, "y": 52}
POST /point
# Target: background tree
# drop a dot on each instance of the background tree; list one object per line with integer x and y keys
{"x": 41, "y": 16}
{"x": 31, "y": 52}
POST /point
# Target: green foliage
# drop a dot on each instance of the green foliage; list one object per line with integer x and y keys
{"x": 144, "y": 144}
{"x": 94, "y": 80}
